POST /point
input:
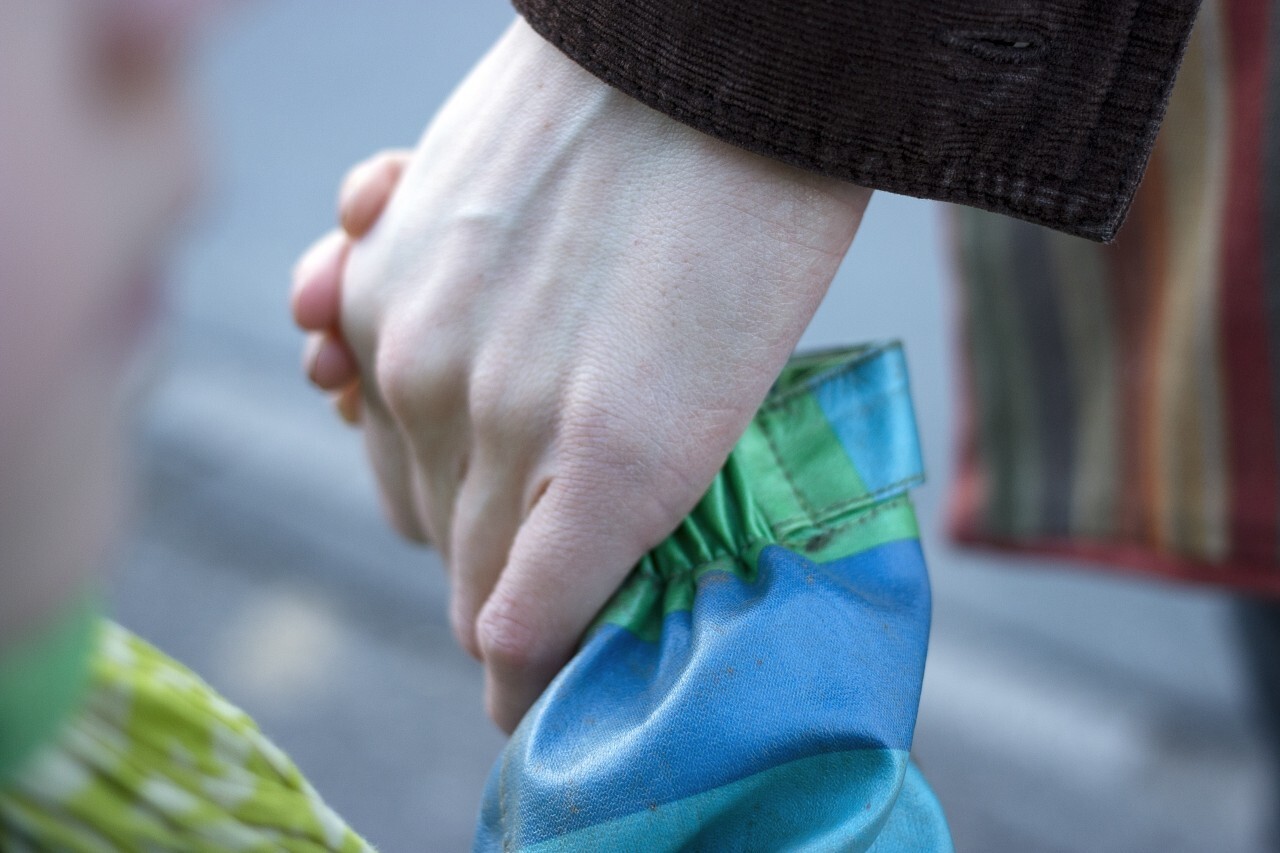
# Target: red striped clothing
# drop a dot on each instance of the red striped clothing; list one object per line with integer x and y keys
{"x": 1123, "y": 399}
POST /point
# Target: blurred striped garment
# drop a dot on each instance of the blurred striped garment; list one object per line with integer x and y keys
{"x": 1123, "y": 399}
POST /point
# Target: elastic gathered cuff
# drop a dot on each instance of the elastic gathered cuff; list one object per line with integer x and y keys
{"x": 823, "y": 469}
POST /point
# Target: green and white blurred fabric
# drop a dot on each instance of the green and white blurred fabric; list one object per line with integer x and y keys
{"x": 154, "y": 759}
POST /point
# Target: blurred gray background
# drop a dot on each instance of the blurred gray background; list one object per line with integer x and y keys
{"x": 1063, "y": 710}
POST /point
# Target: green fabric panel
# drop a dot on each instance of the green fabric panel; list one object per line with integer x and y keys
{"x": 755, "y": 453}
{"x": 789, "y": 481}
{"x": 773, "y": 454}
{"x": 42, "y": 678}
{"x": 649, "y": 595}
{"x": 821, "y": 799}
{"x": 891, "y": 521}
{"x": 814, "y": 463}
{"x": 727, "y": 517}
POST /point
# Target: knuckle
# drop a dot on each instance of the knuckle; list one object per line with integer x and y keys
{"x": 507, "y": 638}
{"x": 417, "y": 378}
{"x": 396, "y": 379}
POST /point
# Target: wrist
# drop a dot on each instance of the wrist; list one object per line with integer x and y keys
{"x": 824, "y": 202}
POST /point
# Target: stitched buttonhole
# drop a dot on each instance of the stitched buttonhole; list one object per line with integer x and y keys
{"x": 1008, "y": 46}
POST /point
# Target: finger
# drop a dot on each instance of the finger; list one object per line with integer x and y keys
{"x": 568, "y": 559}
{"x": 349, "y": 403}
{"x": 391, "y": 463}
{"x": 367, "y": 189}
{"x": 421, "y": 387}
{"x": 487, "y": 516}
{"x": 328, "y": 362}
{"x": 439, "y": 462}
{"x": 317, "y": 283}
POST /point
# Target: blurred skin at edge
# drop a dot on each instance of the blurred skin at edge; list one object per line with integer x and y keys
{"x": 97, "y": 163}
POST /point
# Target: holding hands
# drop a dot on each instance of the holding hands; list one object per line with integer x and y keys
{"x": 553, "y": 320}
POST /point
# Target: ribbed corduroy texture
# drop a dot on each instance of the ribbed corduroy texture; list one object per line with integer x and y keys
{"x": 1046, "y": 111}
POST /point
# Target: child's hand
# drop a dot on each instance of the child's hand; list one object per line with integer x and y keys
{"x": 317, "y": 279}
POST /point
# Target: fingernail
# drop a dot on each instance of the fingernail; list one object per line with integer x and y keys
{"x": 347, "y": 402}
{"x": 331, "y": 366}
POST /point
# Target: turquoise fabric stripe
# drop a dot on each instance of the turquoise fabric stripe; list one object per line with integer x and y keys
{"x": 840, "y": 801}
{"x": 869, "y": 408}
{"x": 916, "y": 823}
{"x": 803, "y": 660}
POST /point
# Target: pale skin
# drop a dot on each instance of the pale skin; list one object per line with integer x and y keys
{"x": 564, "y": 318}
{"x": 93, "y": 176}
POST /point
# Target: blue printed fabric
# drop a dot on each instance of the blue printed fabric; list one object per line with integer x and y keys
{"x": 754, "y": 685}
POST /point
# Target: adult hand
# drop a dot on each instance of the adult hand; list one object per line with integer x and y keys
{"x": 565, "y": 318}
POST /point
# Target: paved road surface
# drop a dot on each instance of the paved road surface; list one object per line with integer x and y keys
{"x": 1063, "y": 711}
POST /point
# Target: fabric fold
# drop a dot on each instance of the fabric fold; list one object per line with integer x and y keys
{"x": 754, "y": 684}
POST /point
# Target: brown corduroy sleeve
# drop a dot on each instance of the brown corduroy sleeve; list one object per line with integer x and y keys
{"x": 1044, "y": 110}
